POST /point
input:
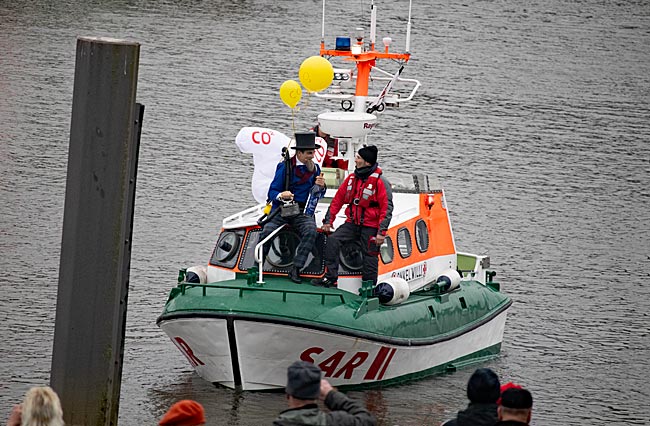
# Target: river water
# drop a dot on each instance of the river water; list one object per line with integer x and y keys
{"x": 535, "y": 116}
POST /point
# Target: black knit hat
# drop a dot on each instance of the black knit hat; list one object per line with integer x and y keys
{"x": 517, "y": 399}
{"x": 483, "y": 387}
{"x": 369, "y": 154}
{"x": 303, "y": 380}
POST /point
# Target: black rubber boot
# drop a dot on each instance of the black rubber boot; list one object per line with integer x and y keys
{"x": 324, "y": 282}
{"x": 294, "y": 275}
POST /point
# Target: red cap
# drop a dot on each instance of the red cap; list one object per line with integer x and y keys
{"x": 505, "y": 387}
{"x": 184, "y": 413}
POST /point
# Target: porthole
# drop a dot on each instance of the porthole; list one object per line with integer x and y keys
{"x": 386, "y": 250}
{"x": 422, "y": 235}
{"x": 351, "y": 256}
{"x": 283, "y": 249}
{"x": 227, "y": 246}
{"x": 404, "y": 242}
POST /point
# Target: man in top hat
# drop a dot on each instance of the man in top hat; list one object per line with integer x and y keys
{"x": 369, "y": 199}
{"x": 304, "y": 174}
{"x": 516, "y": 407}
{"x": 304, "y": 386}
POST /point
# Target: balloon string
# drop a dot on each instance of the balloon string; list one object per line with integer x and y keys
{"x": 308, "y": 99}
{"x": 296, "y": 109}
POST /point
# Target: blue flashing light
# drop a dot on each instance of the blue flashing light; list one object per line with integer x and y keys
{"x": 342, "y": 43}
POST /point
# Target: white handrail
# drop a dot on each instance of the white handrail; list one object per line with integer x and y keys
{"x": 390, "y": 76}
{"x": 334, "y": 95}
{"x": 259, "y": 251}
{"x": 235, "y": 218}
{"x": 415, "y": 89}
{"x": 416, "y": 86}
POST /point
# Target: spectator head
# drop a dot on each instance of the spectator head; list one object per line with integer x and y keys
{"x": 483, "y": 387}
{"x": 326, "y": 136}
{"x": 303, "y": 380}
{"x": 320, "y": 132}
{"x": 507, "y": 386}
{"x": 42, "y": 407}
{"x": 516, "y": 404}
{"x": 184, "y": 413}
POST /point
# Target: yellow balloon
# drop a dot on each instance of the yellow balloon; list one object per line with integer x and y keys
{"x": 290, "y": 93}
{"x": 316, "y": 73}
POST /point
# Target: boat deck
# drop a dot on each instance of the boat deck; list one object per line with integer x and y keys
{"x": 423, "y": 317}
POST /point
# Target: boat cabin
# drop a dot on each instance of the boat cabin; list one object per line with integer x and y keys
{"x": 419, "y": 245}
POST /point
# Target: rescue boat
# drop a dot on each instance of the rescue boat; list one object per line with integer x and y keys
{"x": 240, "y": 321}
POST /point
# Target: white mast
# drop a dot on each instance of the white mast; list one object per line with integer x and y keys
{"x": 322, "y": 34}
{"x": 408, "y": 29}
{"x": 373, "y": 24}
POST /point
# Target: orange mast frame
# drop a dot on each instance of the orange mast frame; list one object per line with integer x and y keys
{"x": 364, "y": 62}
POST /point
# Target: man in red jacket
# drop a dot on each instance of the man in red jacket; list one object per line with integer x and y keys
{"x": 369, "y": 199}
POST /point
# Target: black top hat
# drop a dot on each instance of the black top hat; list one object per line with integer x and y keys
{"x": 306, "y": 140}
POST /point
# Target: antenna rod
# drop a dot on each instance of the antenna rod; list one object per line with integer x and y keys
{"x": 322, "y": 34}
{"x": 408, "y": 29}
{"x": 373, "y": 24}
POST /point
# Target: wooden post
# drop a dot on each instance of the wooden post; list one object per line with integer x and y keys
{"x": 97, "y": 227}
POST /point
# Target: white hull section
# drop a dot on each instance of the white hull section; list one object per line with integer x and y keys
{"x": 204, "y": 342}
{"x": 264, "y": 351}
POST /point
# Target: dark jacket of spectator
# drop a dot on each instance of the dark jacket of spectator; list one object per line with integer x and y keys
{"x": 343, "y": 411}
{"x": 476, "y": 414}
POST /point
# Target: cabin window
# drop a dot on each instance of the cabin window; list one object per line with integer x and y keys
{"x": 281, "y": 252}
{"x": 404, "y": 242}
{"x": 386, "y": 250}
{"x": 422, "y": 235}
{"x": 283, "y": 249}
{"x": 351, "y": 256}
{"x": 228, "y": 245}
{"x": 248, "y": 254}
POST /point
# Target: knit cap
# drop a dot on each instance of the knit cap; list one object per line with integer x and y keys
{"x": 184, "y": 413}
{"x": 505, "y": 387}
{"x": 483, "y": 386}
{"x": 303, "y": 380}
{"x": 368, "y": 153}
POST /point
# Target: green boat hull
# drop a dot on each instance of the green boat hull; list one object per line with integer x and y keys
{"x": 244, "y": 336}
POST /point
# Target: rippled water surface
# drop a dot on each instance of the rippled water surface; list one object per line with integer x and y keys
{"x": 535, "y": 115}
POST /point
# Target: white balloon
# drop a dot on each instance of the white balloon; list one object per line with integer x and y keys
{"x": 266, "y": 146}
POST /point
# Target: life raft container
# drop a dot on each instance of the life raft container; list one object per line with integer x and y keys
{"x": 196, "y": 275}
{"x": 448, "y": 280}
{"x": 392, "y": 291}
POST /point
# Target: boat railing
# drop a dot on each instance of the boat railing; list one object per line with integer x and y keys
{"x": 322, "y": 294}
{"x": 338, "y": 94}
{"x": 259, "y": 251}
{"x": 417, "y": 183}
{"x": 244, "y": 216}
{"x": 389, "y": 76}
